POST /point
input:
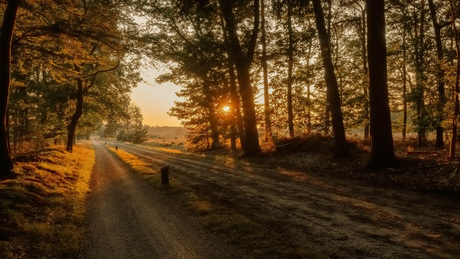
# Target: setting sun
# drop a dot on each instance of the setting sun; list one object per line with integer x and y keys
{"x": 226, "y": 108}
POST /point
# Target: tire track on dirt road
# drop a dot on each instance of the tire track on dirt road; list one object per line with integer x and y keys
{"x": 126, "y": 218}
{"x": 341, "y": 218}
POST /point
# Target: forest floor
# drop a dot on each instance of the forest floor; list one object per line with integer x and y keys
{"x": 302, "y": 203}
{"x": 425, "y": 168}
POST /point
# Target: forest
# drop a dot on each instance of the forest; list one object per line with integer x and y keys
{"x": 310, "y": 129}
{"x": 251, "y": 72}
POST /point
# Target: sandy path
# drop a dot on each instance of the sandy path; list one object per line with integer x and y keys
{"x": 128, "y": 219}
{"x": 345, "y": 219}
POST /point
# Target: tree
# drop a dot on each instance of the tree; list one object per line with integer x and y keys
{"x": 453, "y": 141}
{"x": 290, "y": 79}
{"x": 268, "y": 125}
{"x": 440, "y": 75}
{"x": 242, "y": 60}
{"x": 340, "y": 143}
{"x": 6, "y": 35}
{"x": 382, "y": 150}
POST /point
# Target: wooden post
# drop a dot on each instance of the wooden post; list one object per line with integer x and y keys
{"x": 165, "y": 175}
{"x": 116, "y": 147}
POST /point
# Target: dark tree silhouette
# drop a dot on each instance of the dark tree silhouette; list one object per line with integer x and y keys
{"x": 340, "y": 142}
{"x": 242, "y": 60}
{"x": 6, "y": 35}
{"x": 382, "y": 151}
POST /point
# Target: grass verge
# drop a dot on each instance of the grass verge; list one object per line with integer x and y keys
{"x": 234, "y": 227}
{"x": 42, "y": 209}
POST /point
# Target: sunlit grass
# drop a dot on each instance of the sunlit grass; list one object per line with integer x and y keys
{"x": 138, "y": 165}
{"x": 42, "y": 210}
{"x": 144, "y": 170}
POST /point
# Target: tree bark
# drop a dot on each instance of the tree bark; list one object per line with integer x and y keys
{"x": 213, "y": 122}
{"x": 236, "y": 105}
{"x": 404, "y": 128}
{"x": 382, "y": 150}
{"x": 242, "y": 63}
{"x": 290, "y": 53}
{"x": 236, "y": 109}
{"x": 6, "y": 36}
{"x": 420, "y": 79}
{"x": 71, "y": 128}
{"x": 440, "y": 76}
{"x": 365, "y": 75}
{"x": 340, "y": 143}
{"x": 453, "y": 141}
{"x": 268, "y": 125}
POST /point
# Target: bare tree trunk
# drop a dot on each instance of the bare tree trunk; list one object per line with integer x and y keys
{"x": 71, "y": 128}
{"x": 212, "y": 114}
{"x": 268, "y": 125}
{"x": 365, "y": 75}
{"x": 290, "y": 53}
{"x": 404, "y": 128}
{"x": 382, "y": 150}
{"x": 420, "y": 78}
{"x": 340, "y": 143}
{"x": 242, "y": 61}
{"x": 440, "y": 76}
{"x": 307, "y": 82}
{"x": 236, "y": 109}
{"x": 453, "y": 141}
{"x": 236, "y": 106}
{"x": 6, "y": 35}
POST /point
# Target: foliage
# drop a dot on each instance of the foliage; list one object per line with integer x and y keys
{"x": 131, "y": 129}
{"x": 55, "y": 45}
{"x": 42, "y": 209}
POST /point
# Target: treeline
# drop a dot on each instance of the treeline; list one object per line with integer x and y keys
{"x": 66, "y": 66}
{"x": 129, "y": 128}
{"x": 325, "y": 66}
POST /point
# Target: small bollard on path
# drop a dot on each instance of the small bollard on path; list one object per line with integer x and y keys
{"x": 116, "y": 147}
{"x": 165, "y": 175}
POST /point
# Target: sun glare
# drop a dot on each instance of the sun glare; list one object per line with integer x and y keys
{"x": 226, "y": 108}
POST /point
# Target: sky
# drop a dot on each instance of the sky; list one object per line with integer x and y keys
{"x": 155, "y": 99}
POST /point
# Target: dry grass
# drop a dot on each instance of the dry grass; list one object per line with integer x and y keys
{"x": 235, "y": 228}
{"x": 42, "y": 210}
{"x": 134, "y": 162}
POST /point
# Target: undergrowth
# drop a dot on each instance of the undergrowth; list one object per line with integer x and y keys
{"x": 42, "y": 209}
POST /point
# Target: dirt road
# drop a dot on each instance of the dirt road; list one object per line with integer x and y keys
{"x": 344, "y": 219}
{"x": 126, "y": 218}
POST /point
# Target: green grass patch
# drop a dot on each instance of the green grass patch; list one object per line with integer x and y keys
{"x": 42, "y": 209}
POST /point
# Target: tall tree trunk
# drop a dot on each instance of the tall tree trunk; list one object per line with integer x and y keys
{"x": 6, "y": 35}
{"x": 365, "y": 74}
{"x": 307, "y": 82}
{"x": 440, "y": 76}
{"x": 290, "y": 53}
{"x": 236, "y": 105}
{"x": 420, "y": 79}
{"x": 236, "y": 109}
{"x": 71, "y": 128}
{"x": 404, "y": 128}
{"x": 382, "y": 150}
{"x": 213, "y": 122}
{"x": 453, "y": 141}
{"x": 340, "y": 143}
{"x": 268, "y": 124}
{"x": 242, "y": 63}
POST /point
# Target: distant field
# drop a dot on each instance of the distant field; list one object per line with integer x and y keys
{"x": 168, "y": 132}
